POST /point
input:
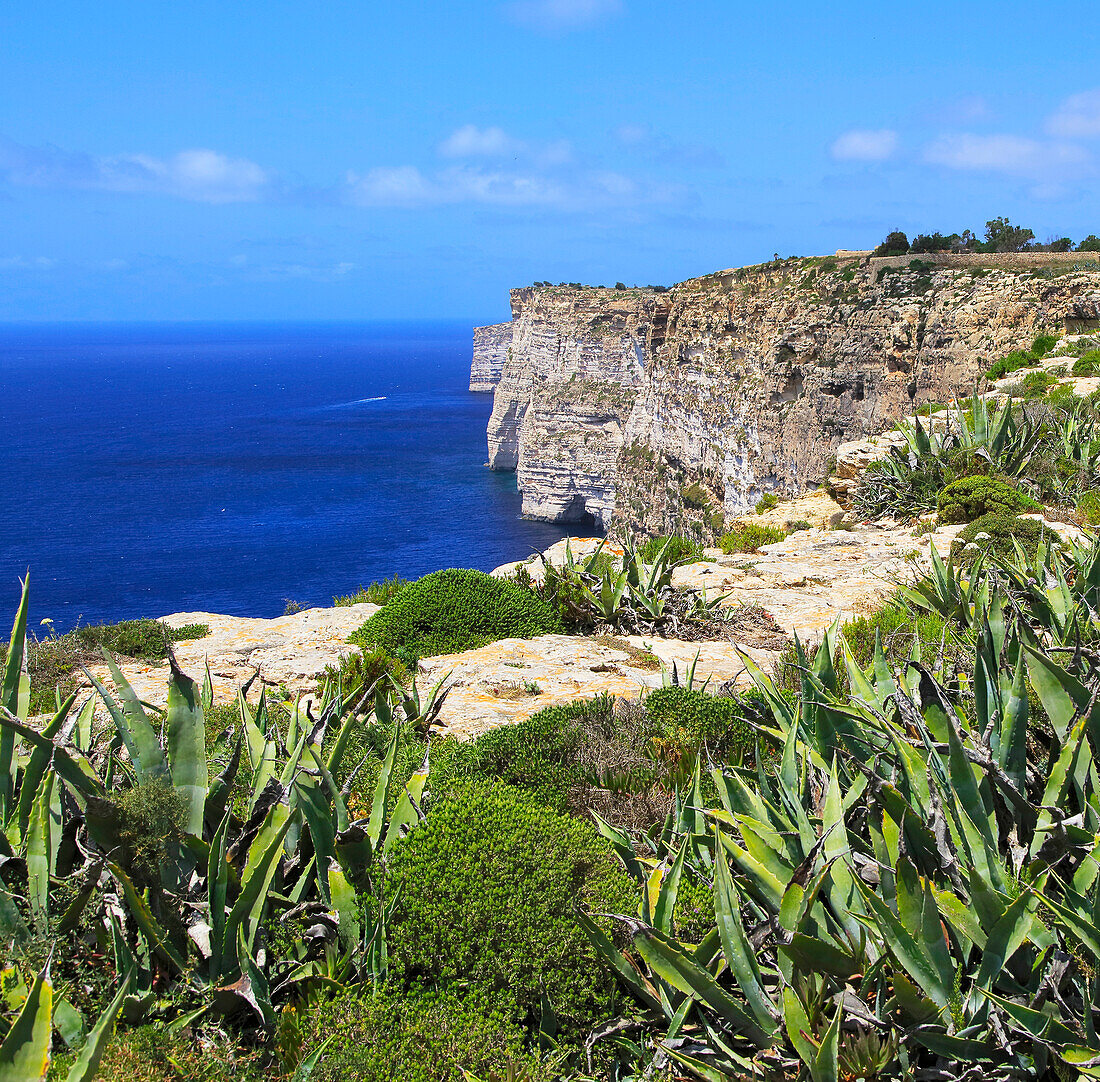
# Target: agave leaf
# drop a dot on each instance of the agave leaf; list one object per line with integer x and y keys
{"x": 15, "y": 691}
{"x": 133, "y": 725}
{"x": 256, "y": 881}
{"x": 407, "y": 813}
{"x": 928, "y": 975}
{"x": 38, "y": 761}
{"x": 382, "y": 791}
{"x": 621, "y": 843}
{"x": 343, "y": 901}
{"x": 665, "y": 902}
{"x": 684, "y": 974}
{"x": 154, "y": 934}
{"x": 187, "y": 745}
{"x": 87, "y": 1061}
{"x": 25, "y": 1052}
{"x": 38, "y": 852}
{"x": 736, "y": 948}
{"x": 217, "y": 886}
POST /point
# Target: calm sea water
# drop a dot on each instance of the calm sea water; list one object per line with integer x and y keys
{"x": 150, "y": 469}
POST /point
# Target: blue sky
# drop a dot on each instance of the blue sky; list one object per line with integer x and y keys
{"x": 370, "y": 160}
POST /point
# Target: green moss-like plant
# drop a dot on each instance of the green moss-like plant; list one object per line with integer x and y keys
{"x": 454, "y": 610}
{"x": 971, "y": 497}
{"x": 486, "y": 890}
{"x": 767, "y": 502}
{"x": 994, "y": 533}
{"x": 419, "y": 1035}
{"x": 693, "y": 718}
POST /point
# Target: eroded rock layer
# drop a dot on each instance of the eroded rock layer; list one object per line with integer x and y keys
{"x": 658, "y": 411}
{"x": 491, "y": 346}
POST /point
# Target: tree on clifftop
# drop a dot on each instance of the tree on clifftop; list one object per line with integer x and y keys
{"x": 1002, "y": 236}
{"x": 1091, "y": 243}
{"x": 896, "y": 243}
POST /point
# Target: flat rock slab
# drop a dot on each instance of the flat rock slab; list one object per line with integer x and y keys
{"x": 290, "y": 651}
{"x": 804, "y": 582}
{"x": 508, "y": 681}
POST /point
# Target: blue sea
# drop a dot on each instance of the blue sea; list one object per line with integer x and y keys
{"x": 151, "y": 469}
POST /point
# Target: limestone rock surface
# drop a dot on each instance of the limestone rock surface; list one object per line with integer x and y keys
{"x": 659, "y": 411}
{"x": 289, "y": 651}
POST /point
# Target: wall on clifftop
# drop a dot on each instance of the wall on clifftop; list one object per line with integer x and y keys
{"x": 664, "y": 411}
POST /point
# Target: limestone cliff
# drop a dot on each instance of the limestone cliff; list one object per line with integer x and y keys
{"x": 654, "y": 411}
{"x": 491, "y": 345}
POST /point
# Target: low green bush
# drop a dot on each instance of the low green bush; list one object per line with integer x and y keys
{"x": 152, "y": 1053}
{"x": 144, "y": 639}
{"x": 362, "y": 668}
{"x": 896, "y": 625}
{"x": 971, "y": 497}
{"x": 377, "y": 593}
{"x": 800, "y": 524}
{"x": 994, "y": 533}
{"x": 694, "y": 495}
{"x": 421, "y": 1035}
{"x": 767, "y": 502}
{"x": 748, "y": 537}
{"x": 1012, "y": 363}
{"x": 1043, "y": 344}
{"x": 680, "y": 548}
{"x": 1088, "y": 507}
{"x": 1034, "y": 385}
{"x": 1088, "y": 364}
{"x": 693, "y": 718}
{"x": 454, "y": 610}
{"x": 485, "y": 891}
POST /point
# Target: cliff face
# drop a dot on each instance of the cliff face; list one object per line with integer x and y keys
{"x": 565, "y": 395}
{"x": 491, "y": 345}
{"x": 661, "y": 411}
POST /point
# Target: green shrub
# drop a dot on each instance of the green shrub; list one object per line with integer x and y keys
{"x": 1034, "y": 385}
{"x": 748, "y": 537}
{"x": 897, "y": 625}
{"x": 486, "y": 888}
{"x": 417, "y": 1036}
{"x": 377, "y": 593}
{"x": 971, "y": 497}
{"x": 800, "y": 524}
{"x": 1087, "y": 364}
{"x": 1088, "y": 506}
{"x": 767, "y": 502}
{"x": 994, "y": 533}
{"x": 693, "y": 718}
{"x": 145, "y": 639}
{"x": 680, "y": 548}
{"x": 541, "y": 754}
{"x": 363, "y": 667}
{"x": 1043, "y": 344}
{"x": 454, "y": 610}
{"x": 1012, "y": 363}
{"x": 694, "y": 495}
{"x": 152, "y": 1053}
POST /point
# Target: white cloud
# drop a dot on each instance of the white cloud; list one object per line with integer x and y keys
{"x": 569, "y": 191}
{"x": 554, "y": 16}
{"x": 470, "y": 141}
{"x": 1013, "y": 155}
{"x": 18, "y": 262}
{"x": 864, "y": 145}
{"x": 200, "y": 175}
{"x": 1078, "y": 117}
{"x": 407, "y": 186}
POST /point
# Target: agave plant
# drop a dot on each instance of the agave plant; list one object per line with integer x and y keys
{"x": 268, "y": 836}
{"x": 905, "y": 891}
